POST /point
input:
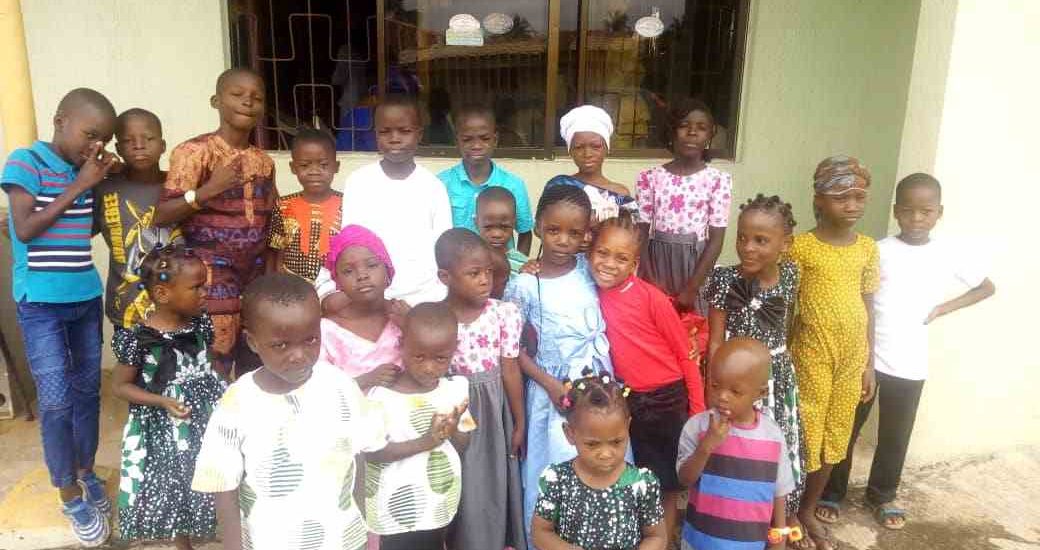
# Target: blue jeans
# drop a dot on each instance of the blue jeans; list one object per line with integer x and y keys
{"x": 63, "y": 345}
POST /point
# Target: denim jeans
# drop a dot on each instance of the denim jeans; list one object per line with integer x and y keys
{"x": 63, "y": 346}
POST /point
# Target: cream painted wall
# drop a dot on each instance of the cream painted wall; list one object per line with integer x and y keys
{"x": 974, "y": 126}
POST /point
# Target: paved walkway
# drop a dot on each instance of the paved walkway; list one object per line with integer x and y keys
{"x": 981, "y": 503}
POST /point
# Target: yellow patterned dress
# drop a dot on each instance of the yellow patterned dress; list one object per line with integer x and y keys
{"x": 829, "y": 340}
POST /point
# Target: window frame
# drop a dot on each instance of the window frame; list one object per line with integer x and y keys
{"x": 550, "y": 151}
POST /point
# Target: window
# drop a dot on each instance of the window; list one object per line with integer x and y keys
{"x": 327, "y": 62}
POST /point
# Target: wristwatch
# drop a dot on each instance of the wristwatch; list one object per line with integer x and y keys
{"x": 190, "y": 198}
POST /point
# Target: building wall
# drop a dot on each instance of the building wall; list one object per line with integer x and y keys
{"x": 971, "y": 121}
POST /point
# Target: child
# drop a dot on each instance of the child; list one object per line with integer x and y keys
{"x": 832, "y": 330}
{"x": 304, "y": 222}
{"x": 560, "y": 306}
{"x": 650, "y": 350}
{"x": 495, "y": 220}
{"x": 280, "y": 448}
{"x": 400, "y": 201}
{"x": 597, "y": 500}
{"x": 221, "y": 191}
{"x": 587, "y": 130}
{"x": 915, "y": 273}
{"x": 164, "y": 372}
{"x": 125, "y": 211}
{"x": 500, "y": 273}
{"x": 734, "y": 458}
{"x": 755, "y": 299}
{"x": 476, "y": 137}
{"x": 684, "y": 205}
{"x": 58, "y": 295}
{"x": 361, "y": 339}
{"x": 491, "y": 510}
{"x": 413, "y": 484}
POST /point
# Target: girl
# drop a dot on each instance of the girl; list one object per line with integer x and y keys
{"x": 491, "y": 511}
{"x": 587, "y": 131}
{"x": 412, "y": 485}
{"x": 650, "y": 349}
{"x": 833, "y": 328}
{"x": 755, "y": 299}
{"x": 360, "y": 338}
{"x": 560, "y": 305}
{"x": 684, "y": 205}
{"x": 165, "y": 373}
{"x": 597, "y": 500}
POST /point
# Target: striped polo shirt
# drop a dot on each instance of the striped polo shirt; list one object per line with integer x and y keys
{"x": 731, "y": 505}
{"x": 56, "y": 266}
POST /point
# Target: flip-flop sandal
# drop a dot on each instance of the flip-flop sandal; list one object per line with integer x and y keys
{"x": 834, "y": 507}
{"x": 884, "y": 513}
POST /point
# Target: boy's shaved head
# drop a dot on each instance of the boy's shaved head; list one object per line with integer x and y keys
{"x": 136, "y": 112}
{"x": 86, "y": 97}
{"x": 745, "y": 357}
{"x": 235, "y": 71}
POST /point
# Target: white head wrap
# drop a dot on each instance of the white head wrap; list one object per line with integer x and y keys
{"x": 586, "y": 118}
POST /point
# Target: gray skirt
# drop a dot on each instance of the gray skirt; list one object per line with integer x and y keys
{"x": 491, "y": 510}
{"x": 670, "y": 262}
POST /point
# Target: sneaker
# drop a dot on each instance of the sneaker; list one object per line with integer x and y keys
{"x": 90, "y": 527}
{"x": 94, "y": 493}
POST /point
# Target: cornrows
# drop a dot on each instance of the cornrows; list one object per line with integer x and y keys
{"x": 772, "y": 205}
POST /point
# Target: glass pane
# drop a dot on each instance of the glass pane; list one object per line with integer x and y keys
{"x": 635, "y": 75}
{"x": 319, "y": 61}
{"x": 449, "y": 53}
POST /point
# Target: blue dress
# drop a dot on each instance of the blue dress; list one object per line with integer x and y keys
{"x": 565, "y": 314}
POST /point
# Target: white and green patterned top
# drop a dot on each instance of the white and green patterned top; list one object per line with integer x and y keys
{"x": 421, "y": 492}
{"x": 292, "y": 459}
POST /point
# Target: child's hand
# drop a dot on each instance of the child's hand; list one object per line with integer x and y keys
{"x": 333, "y": 304}
{"x": 556, "y": 393}
{"x": 224, "y": 177}
{"x": 936, "y": 312}
{"x": 383, "y": 375}
{"x": 517, "y": 442}
{"x": 398, "y": 310}
{"x": 177, "y": 409}
{"x": 532, "y": 267}
{"x": 99, "y": 164}
{"x": 718, "y": 431}
{"x": 438, "y": 431}
{"x": 687, "y": 299}
{"x": 869, "y": 385}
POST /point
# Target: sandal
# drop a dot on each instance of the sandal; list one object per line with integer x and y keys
{"x": 890, "y": 517}
{"x": 832, "y": 514}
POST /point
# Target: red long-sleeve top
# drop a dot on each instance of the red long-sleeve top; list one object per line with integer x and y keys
{"x": 649, "y": 346}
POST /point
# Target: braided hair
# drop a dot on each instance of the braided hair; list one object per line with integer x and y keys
{"x": 624, "y": 221}
{"x": 772, "y": 205}
{"x": 594, "y": 392}
{"x": 162, "y": 264}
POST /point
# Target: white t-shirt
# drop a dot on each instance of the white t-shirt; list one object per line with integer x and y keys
{"x": 914, "y": 279}
{"x": 292, "y": 459}
{"x": 408, "y": 215}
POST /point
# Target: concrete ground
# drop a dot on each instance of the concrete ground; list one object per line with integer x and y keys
{"x": 977, "y": 503}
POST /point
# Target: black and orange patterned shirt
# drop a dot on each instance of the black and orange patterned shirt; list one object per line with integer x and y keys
{"x": 302, "y": 231}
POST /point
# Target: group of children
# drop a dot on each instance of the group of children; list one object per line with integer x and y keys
{"x": 405, "y": 377}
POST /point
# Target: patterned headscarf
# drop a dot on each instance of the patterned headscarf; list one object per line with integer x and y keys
{"x": 840, "y": 174}
{"x": 586, "y": 118}
{"x": 356, "y": 235}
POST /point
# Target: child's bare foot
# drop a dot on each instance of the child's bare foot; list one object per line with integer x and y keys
{"x": 815, "y": 531}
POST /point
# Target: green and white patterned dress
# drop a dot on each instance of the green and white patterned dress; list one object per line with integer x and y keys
{"x": 158, "y": 459}
{"x": 292, "y": 459}
{"x": 421, "y": 492}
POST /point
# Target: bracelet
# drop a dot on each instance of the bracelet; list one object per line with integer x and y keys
{"x": 777, "y": 534}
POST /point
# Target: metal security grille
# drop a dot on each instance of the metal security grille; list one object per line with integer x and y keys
{"x": 326, "y": 63}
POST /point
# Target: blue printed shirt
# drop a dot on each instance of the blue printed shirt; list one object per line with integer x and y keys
{"x": 462, "y": 193}
{"x": 56, "y": 266}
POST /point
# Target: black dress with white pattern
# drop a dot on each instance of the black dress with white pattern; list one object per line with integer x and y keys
{"x": 763, "y": 314}
{"x": 158, "y": 459}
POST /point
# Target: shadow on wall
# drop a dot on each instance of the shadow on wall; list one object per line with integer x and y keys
{"x": 16, "y": 386}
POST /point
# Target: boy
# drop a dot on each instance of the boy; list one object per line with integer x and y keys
{"x": 280, "y": 448}
{"x": 477, "y": 137}
{"x": 495, "y": 219}
{"x": 916, "y": 272}
{"x": 734, "y": 458}
{"x": 124, "y": 213}
{"x": 303, "y": 223}
{"x": 401, "y": 202}
{"x": 221, "y": 191}
{"x": 58, "y": 295}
